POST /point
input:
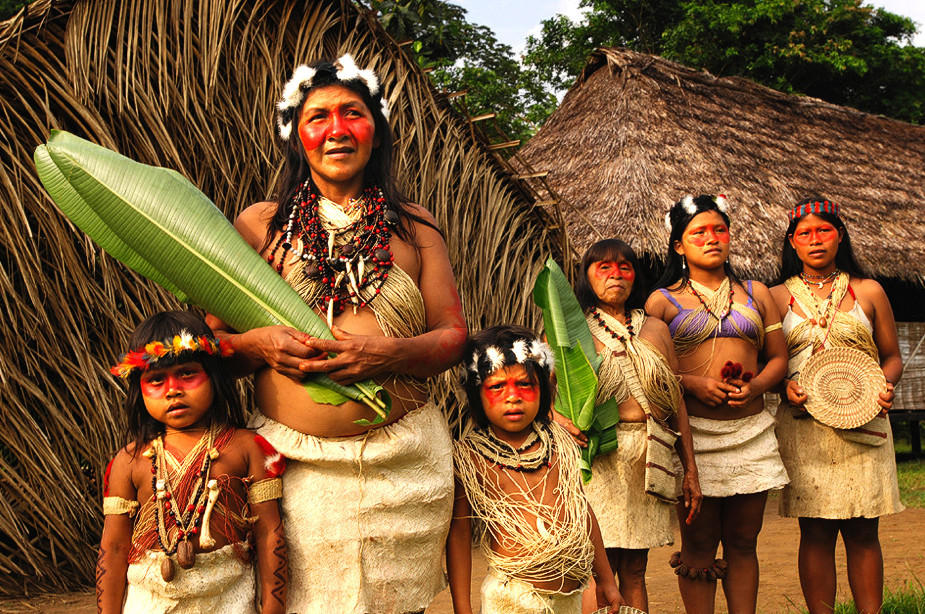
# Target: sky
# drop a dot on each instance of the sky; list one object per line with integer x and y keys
{"x": 513, "y": 20}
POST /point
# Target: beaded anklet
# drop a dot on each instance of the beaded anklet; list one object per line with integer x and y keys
{"x": 716, "y": 571}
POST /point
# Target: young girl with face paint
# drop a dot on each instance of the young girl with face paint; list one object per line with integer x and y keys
{"x": 637, "y": 370}
{"x": 519, "y": 489}
{"x": 839, "y": 482}
{"x": 730, "y": 351}
{"x": 193, "y": 497}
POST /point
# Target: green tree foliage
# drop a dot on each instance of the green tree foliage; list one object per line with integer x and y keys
{"x": 8, "y": 8}
{"x": 466, "y": 56}
{"x": 559, "y": 53}
{"x": 838, "y": 50}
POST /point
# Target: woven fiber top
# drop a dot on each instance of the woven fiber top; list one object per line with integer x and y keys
{"x": 843, "y": 385}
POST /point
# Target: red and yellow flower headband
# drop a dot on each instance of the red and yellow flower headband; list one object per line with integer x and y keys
{"x": 143, "y": 358}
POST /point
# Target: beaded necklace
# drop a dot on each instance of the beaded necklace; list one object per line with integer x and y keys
{"x": 614, "y": 334}
{"x": 823, "y": 309}
{"x": 725, "y": 313}
{"x": 499, "y": 452}
{"x": 818, "y": 280}
{"x": 344, "y": 256}
{"x": 186, "y": 519}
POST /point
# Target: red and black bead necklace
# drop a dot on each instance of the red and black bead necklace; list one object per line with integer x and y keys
{"x": 186, "y": 520}
{"x": 362, "y": 261}
{"x": 614, "y": 334}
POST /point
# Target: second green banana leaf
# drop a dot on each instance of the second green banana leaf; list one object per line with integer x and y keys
{"x": 577, "y": 363}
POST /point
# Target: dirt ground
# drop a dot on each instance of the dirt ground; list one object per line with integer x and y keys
{"x": 779, "y": 591}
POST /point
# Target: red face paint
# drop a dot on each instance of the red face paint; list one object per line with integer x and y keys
{"x": 701, "y": 235}
{"x": 348, "y": 120}
{"x": 499, "y": 389}
{"x": 813, "y": 234}
{"x": 606, "y": 269}
{"x": 157, "y": 383}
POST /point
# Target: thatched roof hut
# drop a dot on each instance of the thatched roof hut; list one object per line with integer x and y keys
{"x": 191, "y": 86}
{"x": 637, "y": 132}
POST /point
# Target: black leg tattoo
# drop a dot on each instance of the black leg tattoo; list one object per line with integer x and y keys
{"x": 100, "y": 572}
{"x": 281, "y": 572}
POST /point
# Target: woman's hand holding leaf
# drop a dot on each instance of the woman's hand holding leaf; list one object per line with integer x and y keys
{"x": 358, "y": 357}
{"x": 281, "y": 348}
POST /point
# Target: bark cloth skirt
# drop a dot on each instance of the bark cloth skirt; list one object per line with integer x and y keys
{"x": 628, "y": 517}
{"x": 366, "y": 517}
{"x": 737, "y": 457}
{"x": 219, "y": 583}
{"x": 832, "y": 477}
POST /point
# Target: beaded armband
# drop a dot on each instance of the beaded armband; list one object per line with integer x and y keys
{"x": 265, "y": 490}
{"x": 774, "y": 326}
{"x": 118, "y": 505}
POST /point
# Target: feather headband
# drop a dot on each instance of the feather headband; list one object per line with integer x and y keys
{"x": 303, "y": 79}
{"x": 145, "y": 357}
{"x": 690, "y": 207}
{"x": 492, "y": 358}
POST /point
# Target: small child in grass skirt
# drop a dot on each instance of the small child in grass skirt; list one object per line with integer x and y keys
{"x": 193, "y": 498}
{"x": 518, "y": 489}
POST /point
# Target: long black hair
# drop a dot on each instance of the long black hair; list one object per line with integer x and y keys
{"x": 226, "y": 405}
{"x": 503, "y": 338}
{"x": 680, "y": 218}
{"x": 606, "y": 250}
{"x": 378, "y": 172}
{"x": 791, "y": 265}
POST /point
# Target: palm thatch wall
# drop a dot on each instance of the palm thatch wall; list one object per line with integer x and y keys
{"x": 637, "y": 132}
{"x": 187, "y": 84}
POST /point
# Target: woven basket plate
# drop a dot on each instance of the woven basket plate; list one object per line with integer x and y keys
{"x": 843, "y": 385}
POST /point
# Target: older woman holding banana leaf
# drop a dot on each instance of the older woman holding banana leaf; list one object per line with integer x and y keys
{"x": 366, "y": 501}
{"x": 631, "y": 489}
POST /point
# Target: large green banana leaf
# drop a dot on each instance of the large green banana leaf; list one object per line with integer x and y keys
{"x": 159, "y": 224}
{"x": 577, "y": 363}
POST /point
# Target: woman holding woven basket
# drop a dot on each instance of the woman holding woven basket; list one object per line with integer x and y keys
{"x": 842, "y": 480}
{"x": 722, "y": 329}
{"x": 637, "y": 370}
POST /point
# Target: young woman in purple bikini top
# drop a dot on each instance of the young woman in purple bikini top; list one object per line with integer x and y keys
{"x": 715, "y": 318}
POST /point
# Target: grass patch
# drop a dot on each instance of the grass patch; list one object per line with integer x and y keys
{"x": 902, "y": 442}
{"x": 911, "y": 475}
{"x": 910, "y": 599}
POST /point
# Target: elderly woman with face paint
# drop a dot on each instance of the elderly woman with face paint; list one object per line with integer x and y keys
{"x": 638, "y": 365}
{"x": 723, "y": 329}
{"x": 842, "y": 481}
{"x": 366, "y": 508}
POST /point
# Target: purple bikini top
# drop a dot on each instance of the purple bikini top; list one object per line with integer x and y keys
{"x": 735, "y": 324}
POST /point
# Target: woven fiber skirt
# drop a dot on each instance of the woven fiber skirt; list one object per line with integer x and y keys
{"x": 628, "y": 517}
{"x": 366, "y": 517}
{"x": 831, "y": 477}
{"x": 737, "y": 457}
{"x": 218, "y": 582}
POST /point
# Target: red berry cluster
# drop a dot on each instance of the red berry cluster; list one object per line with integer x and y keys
{"x": 733, "y": 370}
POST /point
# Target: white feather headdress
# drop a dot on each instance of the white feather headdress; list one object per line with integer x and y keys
{"x": 302, "y": 80}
